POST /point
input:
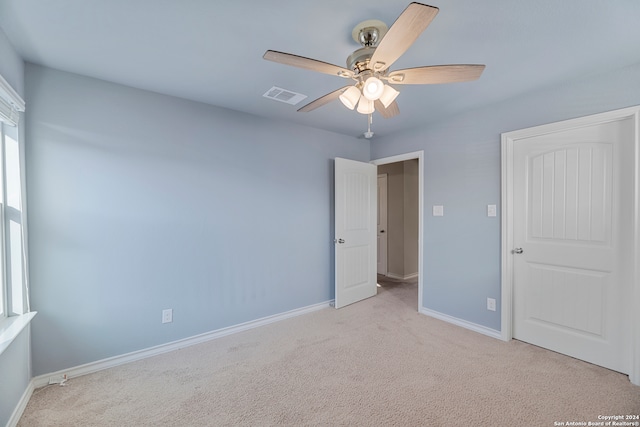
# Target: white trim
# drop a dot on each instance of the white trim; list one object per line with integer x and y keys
{"x": 22, "y": 405}
{"x": 10, "y": 328}
{"x": 401, "y": 277}
{"x": 7, "y": 92}
{"x": 11, "y": 104}
{"x": 43, "y": 380}
{"x": 462, "y": 323}
{"x": 634, "y": 374}
{"x": 401, "y": 158}
{"x": 507, "y": 141}
{"x": 386, "y": 202}
{"x": 506, "y": 177}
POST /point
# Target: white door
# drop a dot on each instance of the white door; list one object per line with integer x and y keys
{"x": 355, "y": 239}
{"x": 573, "y": 222}
{"x": 382, "y": 224}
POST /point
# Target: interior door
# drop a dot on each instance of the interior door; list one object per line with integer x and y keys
{"x": 355, "y": 238}
{"x": 572, "y": 226}
{"x": 382, "y": 224}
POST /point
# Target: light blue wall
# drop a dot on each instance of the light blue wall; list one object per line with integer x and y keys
{"x": 11, "y": 65}
{"x": 462, "y": 172}
{"x": 141, "y": 202}
{"x": 15, "y": 371}
{"x": 15, "y": 361}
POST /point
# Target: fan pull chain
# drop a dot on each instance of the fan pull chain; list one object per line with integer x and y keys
{"x": 368, "y": 134}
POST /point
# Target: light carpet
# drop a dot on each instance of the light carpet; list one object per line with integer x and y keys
{"x": 375, "y": 363}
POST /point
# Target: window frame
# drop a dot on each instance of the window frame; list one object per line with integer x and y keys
{"x": 5, "y": 294}
{"x": 11, "y": 105}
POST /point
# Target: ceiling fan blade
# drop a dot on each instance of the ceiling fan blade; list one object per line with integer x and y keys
{"x": 307, "y": 63}
{"x": 436, "y": 74}
{"x": 323, "y": 100}
{"x": 391, "y": 111}
{"x": 409, "y": 25}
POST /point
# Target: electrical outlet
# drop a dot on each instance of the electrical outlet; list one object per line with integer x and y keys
{"x": 167, "y": 315}
{"x": 491, "y": 304}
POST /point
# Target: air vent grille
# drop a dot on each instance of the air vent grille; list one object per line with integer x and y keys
{"x": 284, "y": 95}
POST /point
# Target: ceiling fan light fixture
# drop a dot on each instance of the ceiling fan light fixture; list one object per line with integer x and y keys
{"x": 365, "y": 106}
{"x": 388, "y": 96}
{"x": 350, "y": 97}
{"x": 370, "y": 66}
{"x": 373, "y": 88}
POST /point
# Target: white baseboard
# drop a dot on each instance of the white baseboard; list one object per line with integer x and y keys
{"x": 463, "y": 323}
{"x": 43, "y": 380}
{"x": 401, "y": 277}
{"x": 22, "y": 404}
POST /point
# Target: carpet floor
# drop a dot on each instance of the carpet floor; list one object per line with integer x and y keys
{"x": 375, "y": 363}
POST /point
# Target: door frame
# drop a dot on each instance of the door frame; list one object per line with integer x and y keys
{"x": 386, "y": 250}
{"x": 508, "y": 139}
{"x": 419, "y": 155}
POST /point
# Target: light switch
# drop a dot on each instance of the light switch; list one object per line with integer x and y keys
{"x": 438, "y": 210}
{"x": 491, "y": 210}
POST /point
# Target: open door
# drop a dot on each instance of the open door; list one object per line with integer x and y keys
{"x": 572, "y": 219}
{"x": 356, "y": 231}
{"x": 570, "y": 238}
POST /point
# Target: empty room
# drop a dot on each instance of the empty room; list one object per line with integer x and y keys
{"x": 297, "y": 213}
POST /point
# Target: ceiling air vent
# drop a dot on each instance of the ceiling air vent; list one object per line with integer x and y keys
{"x": 283, "y": 95}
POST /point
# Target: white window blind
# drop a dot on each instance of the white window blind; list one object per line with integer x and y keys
{"x": 11, "y": 104}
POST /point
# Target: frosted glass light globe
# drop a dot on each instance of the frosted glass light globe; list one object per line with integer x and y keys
{"x": 373, "y": 88}
{"x": 350, "y": 97}
{"x": 388, "y": 96}
{"x": 365, "y": 106}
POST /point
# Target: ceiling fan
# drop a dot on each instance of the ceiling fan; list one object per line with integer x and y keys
{"x": 369, "y": 65}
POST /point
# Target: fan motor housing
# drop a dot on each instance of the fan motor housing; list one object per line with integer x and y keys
{"x": 368, "y": 33}
{"x": 358, "y": 61}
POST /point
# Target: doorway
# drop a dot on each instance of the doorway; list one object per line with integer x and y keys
{"x": 401, "y": 231}
{"x": 570, "y": 238}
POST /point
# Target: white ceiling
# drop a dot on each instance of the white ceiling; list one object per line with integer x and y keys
{"x": 211, "y": 50}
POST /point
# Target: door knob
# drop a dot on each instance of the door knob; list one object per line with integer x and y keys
{"x": 339, "y": 241}
{"x": 517, "y": 251}
{"x": 382, "y": 231}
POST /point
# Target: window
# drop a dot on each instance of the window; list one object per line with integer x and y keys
{"x": 13, "y": 261}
